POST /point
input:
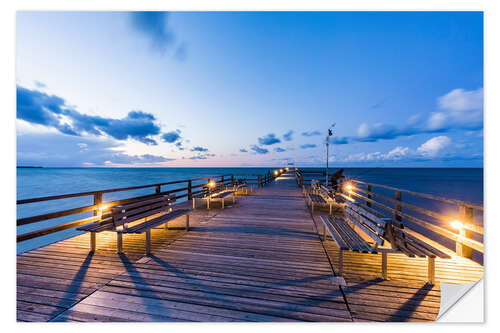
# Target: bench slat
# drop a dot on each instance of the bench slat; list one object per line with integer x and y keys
{"x": 373, "y": 235}
{"x": 140, "y": 228}
{"x": 371, "y": 224}
{"x": 350, "y": 236}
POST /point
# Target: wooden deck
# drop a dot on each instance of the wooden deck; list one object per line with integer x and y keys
{"x": 259, "y": 260}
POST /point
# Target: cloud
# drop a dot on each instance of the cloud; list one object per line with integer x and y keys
{"x": 201, "y": 156}
{"x": 311, "y": 133}
{"x": 153, "y": 25}
{"x": 40, "y": 85}
{"x": 178, "y": 144}
{"x": 52, "y": 111}
{"x": 181, "y": 52}
{"x": 259, "y": 150}
{"x": 288, "y": 135}
{"x": 269, "y": 139}
{"x": 200, "y": 149}
{"x": 308, "y": 145}
{"x": 460, "y": 109}
{"x": 61, "y": 150}
{"x": 243, "y": 150}
{"x": 434, "y": 146}
{"x": 279, "y": 150}
{"x": 462, "y": 100}
{"x": 172, "y": 136}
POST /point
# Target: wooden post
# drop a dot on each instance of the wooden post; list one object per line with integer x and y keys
{"x": 341, "y": 261}
{"x": 467, "y": 217}
{"x": 190, "y": 191}
{"x": 158, "y": 189}
{"x": 260, "y": 181}
{"x": 97, "y": 201}
{"x": 187, "y": 222}
{"x": 301, "y": 179}
{"x": 92, "y": 241}
{"x": 119, "y": 242}
{"x": 431, "y": 270}
{"x": 368, "y": 195}
{"x": 148, "y": 241}
{"x": 384, "y": 265}
{"x": 397, "y": 207}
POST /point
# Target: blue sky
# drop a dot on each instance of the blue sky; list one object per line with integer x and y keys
{"x": 249, "y": 89}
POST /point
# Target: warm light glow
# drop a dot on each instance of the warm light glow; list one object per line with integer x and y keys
{"x": 281, "y": 170}
{"x": 103, "y": 207}
{"x": 275, "y": 173}
{"x": 457, "y": 224}
{"x": 349, "y": 187}
{"x": 211, "y": 184}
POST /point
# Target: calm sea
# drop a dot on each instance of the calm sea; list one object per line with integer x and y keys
{"x": 461, "y": 184}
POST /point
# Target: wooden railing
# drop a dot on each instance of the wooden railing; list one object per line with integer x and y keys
{"x": 452, "y": 219}
{"x": 187, "y": 189}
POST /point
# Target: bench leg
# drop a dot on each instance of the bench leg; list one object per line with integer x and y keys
{"x": 166, "y": 226}
{"x": 119, "y": 242}
{"x": 384, "y": 266}
{"x": 331, "y": 210}
{"x": 324, "y": 232}
{"x": 194, "y": 206}
{"x": 312, "y": 207}
{"x": 187, "y": 222}
{"x": 223, "y": 202}
{"x": 431, "y": 270}
{"x": 234, "y": 199}
{"x": 208, "y": 203}
{"x": 92, "y": 241}
{"x": 341, "y": 261}
{"x": 148, "y": 242}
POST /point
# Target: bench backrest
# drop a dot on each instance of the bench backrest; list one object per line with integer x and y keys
{"x": 371, "y": 222}
{"x": 324, "y": 192}
{"x": 123, "y": 214}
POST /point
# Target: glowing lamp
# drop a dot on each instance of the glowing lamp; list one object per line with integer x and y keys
{"x": 275, "y": 173}
{"x": 457, "y": 224}
{"x": 103, "y": 207}
{"x": 349, "y": 187}
{"x": 211, "y": 184}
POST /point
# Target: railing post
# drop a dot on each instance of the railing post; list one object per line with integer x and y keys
{"x": 466, "y": 216}
{"x": 260, "y": 180}
{"x": 301, "y": 180}
{"x": 368, "y": 195}
{"x": 397, "y": 207}
{"x": 97, "y": 201}
{"x": 222, "y": 180}
{"x": 232, "y": 179}
{"x": 190, "y": 190}
{"x": 158, "y": 189}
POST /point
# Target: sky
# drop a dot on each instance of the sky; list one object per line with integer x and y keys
{"x": 158, "y": 89}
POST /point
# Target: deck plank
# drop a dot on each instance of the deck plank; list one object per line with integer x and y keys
{"x": 258, "y": 260}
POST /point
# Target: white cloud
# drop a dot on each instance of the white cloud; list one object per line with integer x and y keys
{"x": 462, "y": 100}
{"x": 397, "y": 153}
{"x": 434, "y": 146}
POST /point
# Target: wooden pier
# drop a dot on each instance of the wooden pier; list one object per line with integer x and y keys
{"x": 261, "y": 259}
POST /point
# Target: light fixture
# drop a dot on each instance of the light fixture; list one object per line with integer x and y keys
{"x": 211, "y": 184}
{"x": 457, "y": 224}
{"x": 349, "y": 187}
{"x": 275, "y": 172}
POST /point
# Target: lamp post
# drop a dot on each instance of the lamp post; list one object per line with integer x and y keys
{"x": 330, "y": 133}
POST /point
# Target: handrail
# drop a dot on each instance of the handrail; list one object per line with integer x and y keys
{"x": 423, "y": 195}
{"x": 462, "y": 228}
{"x": 189, "y": 190}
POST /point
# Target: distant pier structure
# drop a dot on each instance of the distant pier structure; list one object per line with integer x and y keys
{"x": 266, "y": 254}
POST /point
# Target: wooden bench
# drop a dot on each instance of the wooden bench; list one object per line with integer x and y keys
{"x": 344, "y": 231}
{"x": 319, "y": 195}
{"x": 240, "y": 185}
{"x": 218, "y": 193}
{"x": 140, "y": 212}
